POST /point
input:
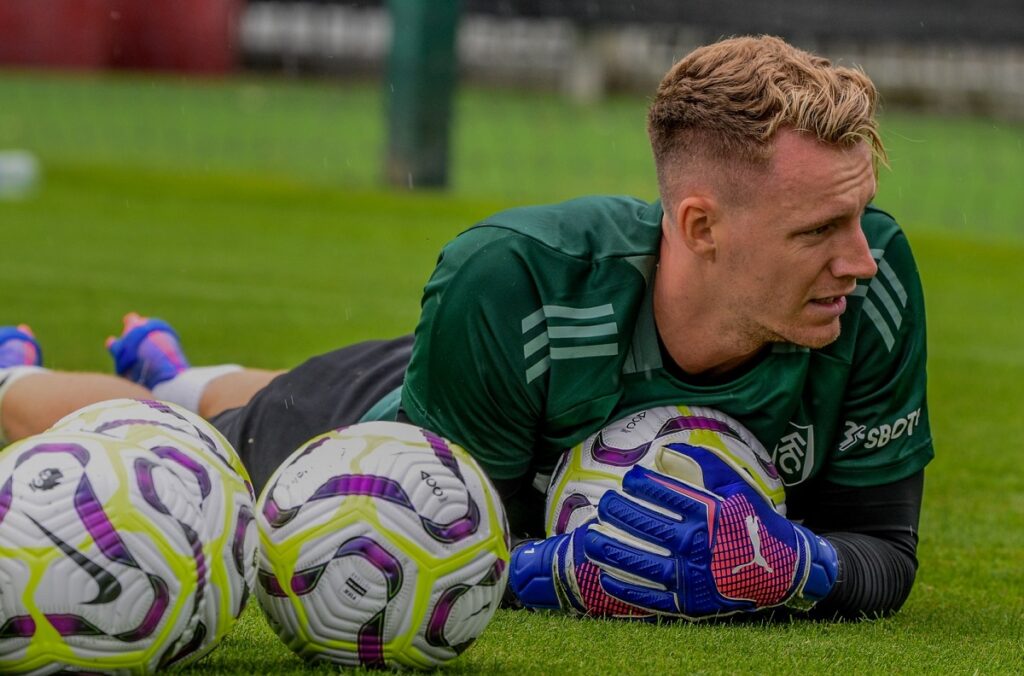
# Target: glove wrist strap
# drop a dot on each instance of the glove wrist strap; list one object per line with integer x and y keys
{"x": 822, "y": 571}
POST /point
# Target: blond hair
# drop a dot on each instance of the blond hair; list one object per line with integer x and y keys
{"x": 725, "y": 103}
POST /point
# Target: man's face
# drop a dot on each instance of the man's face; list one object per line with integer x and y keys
{"x": 791, "y": 253}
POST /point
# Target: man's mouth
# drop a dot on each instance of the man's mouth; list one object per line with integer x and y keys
{"x": 832, "y": 300}
{"x": 835, "y": 305}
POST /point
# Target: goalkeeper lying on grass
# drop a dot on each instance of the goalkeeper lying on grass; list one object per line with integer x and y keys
{"x": 762, "y": 283}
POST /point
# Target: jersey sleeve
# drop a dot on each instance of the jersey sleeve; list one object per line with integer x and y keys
{"x": 465, "y": 379}
{"x": 885, "y": 434}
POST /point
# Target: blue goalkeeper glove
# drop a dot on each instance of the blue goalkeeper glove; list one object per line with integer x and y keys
{"x": 553, "y": 574}
{"x": 703, "y": 544}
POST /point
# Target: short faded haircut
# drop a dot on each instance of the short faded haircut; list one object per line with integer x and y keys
{"x": 725, "y": 102}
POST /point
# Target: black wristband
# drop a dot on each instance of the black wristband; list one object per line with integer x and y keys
{"x": 875, "y": 576}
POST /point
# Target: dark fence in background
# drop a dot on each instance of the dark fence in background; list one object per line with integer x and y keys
{"x": 946, "y": 55}
{"x": 987, "y": 22}
{"x": 951, "y": 57}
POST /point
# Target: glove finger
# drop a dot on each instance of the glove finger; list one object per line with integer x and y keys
{"x": 687, "y": 500}
{"x": 655, "y": 600}
{"x": 613, "y": 553}
{"x": 643, "y": 522}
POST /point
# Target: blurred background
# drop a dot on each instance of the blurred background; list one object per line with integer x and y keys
{"x": 277, "y": 178}
{"x": 517, "y": 100}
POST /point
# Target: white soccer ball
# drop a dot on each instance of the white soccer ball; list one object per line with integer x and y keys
{"x": 381, "y": 545}
{"x": 101, "y": 565}
{"x": 596, "y": 465}
{"x": 217, "y": 482}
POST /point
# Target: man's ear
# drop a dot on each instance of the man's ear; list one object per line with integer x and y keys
{"x": 695, "y": 218}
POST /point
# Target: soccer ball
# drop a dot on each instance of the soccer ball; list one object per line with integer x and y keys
{"x": 102, "y": 567}
{"x": 596, "y": 465}
{"x": 381, "y": 545}
{"x": 213, "y": 475}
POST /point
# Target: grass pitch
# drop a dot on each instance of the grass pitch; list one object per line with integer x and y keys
{"x": 262, "y": 237}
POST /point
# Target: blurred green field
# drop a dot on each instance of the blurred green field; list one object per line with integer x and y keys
{"x": 249, "y": 214}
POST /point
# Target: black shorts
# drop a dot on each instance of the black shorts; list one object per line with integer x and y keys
{"x": 325, "y": 392}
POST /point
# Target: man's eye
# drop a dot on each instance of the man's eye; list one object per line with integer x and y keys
{"x": 820, "y": 230}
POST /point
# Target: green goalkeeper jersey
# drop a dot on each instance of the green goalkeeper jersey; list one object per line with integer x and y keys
{"x": 537, "y": 330}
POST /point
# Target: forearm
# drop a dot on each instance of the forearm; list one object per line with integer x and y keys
{"x": 875, "y": 576}
{"x": 874, "y": 531}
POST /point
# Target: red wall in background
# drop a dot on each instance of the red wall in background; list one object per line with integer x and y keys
{"x": 59, "y": 33}
{"x": 181, "y": 35}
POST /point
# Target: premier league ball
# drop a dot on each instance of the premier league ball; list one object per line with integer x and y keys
{"x": 102, "y": 567}
{"x": 381, "y": 545}
{"x": 590, "y": 468}
{"x": 213, "y": 476}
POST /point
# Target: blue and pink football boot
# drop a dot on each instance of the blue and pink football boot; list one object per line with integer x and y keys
{"x": 18, "y": 347}
{"x": 148, "y": 351}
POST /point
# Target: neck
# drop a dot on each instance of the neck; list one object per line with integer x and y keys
{"x": 696, "y": 333}
{"x": 705, "y": 358}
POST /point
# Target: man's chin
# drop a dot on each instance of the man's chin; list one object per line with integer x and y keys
{"x": 815, "y": 339}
